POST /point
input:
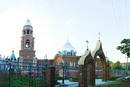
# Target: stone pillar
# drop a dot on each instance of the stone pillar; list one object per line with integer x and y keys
{"x": 108, "y": 73}
{"x": 51, "y": 77}
{"x": 81, "y": 76}
{"x": 105, "y": 73}
{"x": 93, "y": 74}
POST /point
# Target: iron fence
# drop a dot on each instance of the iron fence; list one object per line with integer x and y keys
{"x": 118, "y": 72}
{"x": 23, "y": 74}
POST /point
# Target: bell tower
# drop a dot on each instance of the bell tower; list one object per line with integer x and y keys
{"x": 27, "y": 52}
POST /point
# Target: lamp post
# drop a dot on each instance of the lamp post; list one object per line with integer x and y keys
{"x": 46, "y": 65}
{"x": 63, "y": 64}
{"x": 9, "y": 74}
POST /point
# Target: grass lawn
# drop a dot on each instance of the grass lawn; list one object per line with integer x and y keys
{"x": 120, "y": 83}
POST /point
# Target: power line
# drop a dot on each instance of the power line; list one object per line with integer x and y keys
{"x": 115, "y": 14}
{"x": 126, "y": 16}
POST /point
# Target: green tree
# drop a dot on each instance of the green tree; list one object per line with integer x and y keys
{"x": 117, "y": 65}
{"x": 113, "y": 65}
{"x": 110, "y": 63}
{"x": 125, "y": 48}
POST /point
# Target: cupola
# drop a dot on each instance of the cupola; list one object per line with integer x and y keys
{"x": 67, "y": 49}
{"x": 12, "y": 57}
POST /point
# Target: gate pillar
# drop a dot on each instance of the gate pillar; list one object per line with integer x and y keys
{"x": 81, "y": 76}
{"x": 51, "y": 77}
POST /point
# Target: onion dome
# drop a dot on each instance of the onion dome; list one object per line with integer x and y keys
{"x": 68, "y": 49}
{"x": 27, "y": 25}
{"x": 12, "y": 57}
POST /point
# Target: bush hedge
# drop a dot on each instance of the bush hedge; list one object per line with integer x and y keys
{"x": 73, "y": 79}
{"x": 120, "y": 83}
{"x": 115, "y": 77}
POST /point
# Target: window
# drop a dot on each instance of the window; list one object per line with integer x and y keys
{"x": 27, "y": 43}
{"x": 68, "y": 53}
{"x": 24, "y": 32}
{"x": 71, "y": 64}
{"x": 31, "y": 32}
{"x": 27, "y": 31}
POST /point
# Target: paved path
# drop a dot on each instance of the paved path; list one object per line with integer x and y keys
{"x": 100, "y": 83}
{"x": 70, "y": 84}
{"x": 75, "y": 84}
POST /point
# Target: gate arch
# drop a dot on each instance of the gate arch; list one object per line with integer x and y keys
{"x": 99, "y": 52}
{"x": 87, "y": 69}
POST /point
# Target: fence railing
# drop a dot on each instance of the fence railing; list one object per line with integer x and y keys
{"x": 21, "y": 74}
{"x": 118, "y": 72}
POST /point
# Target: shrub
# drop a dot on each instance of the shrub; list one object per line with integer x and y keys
{"x": 58, "y": 78}
{"x": 120, "y": 83}
{"x": 74, "y": 79}
{"x": 98, "y": 77}
{"x": 114, "y": 77}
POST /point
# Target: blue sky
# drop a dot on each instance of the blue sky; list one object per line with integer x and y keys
{"x": 55, "y": 20}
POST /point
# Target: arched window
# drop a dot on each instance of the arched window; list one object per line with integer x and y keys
{"x": 24, "y": 32}
{"x": 27, "y": 31}
{"x": 31, "y": 32}
{"x": 27, "y": 43}
{"x": 68, "y": 53}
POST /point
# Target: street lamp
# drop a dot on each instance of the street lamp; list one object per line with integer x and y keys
{"x": 63, "y": 65}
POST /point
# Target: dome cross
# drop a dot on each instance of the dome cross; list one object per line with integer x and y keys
{"x": 87, "y": 44}
{"x": 99, "y": 35}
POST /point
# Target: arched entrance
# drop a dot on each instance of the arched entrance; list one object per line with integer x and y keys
{"x": 87, "y": 69}
{"x": 98, "y": 52}
{"x": 87, "y": 65}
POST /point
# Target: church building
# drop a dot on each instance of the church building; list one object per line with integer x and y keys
{"x": 67, "y": 54}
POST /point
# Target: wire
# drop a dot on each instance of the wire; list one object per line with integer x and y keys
{"x": 126, "y": 16}
{"x": 115, "y": 14}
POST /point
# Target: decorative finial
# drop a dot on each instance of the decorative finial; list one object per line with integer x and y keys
{"x": 106, "y": 53}
{"x": 28, "y": 22}
{"x": 67, "y": 39}
{"x": 107, "y": 59}
{"x": 99, "y": 35}
{"x": 87, "y": 44}
{"x": 12, "y": 51}
{"x": 45, "y": 57}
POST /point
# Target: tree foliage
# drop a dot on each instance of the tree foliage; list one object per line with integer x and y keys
{"x": 125, "y": 47}
{"x": 117, "y": 65}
